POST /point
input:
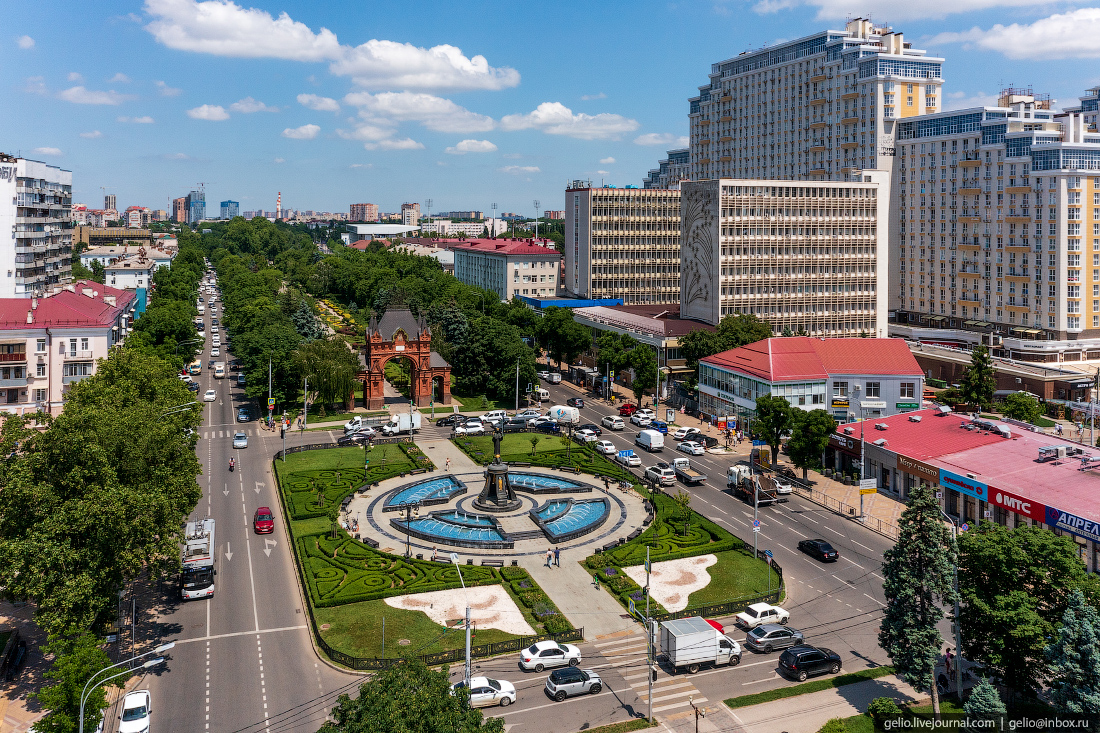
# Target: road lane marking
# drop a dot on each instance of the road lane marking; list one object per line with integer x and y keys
{"x": 865, "y": 547}
{"x": 210, "y": 637}
{"x": 878, "y": 576}
{"x": 876, "y": 600}
{"x": 766, "y": 679}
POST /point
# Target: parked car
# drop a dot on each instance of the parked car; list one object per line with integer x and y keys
{"x": 360, "y": 438}
{"x": 209, "y": 396}
{"x": 548, "y": 427}
{"x": 549, "y": 653}
{"x": 487, "y": 692}
{"x": 529, "y": 413}
{"x": 563, "y": 683}
{"x": 769, "y": 637}
{"x": 803, "y": 661}
{"x": 820, "y": 549}
{"x": 606, "y": 447}
{"x": 514, "y": 425}
{"x": 585, "y": 436}
{"x": 136, "y": 712}
{"x": 244, "y": 414}
{"x": 613, "y": 422}
{"x": 575, "y": 402}
{"x": 761, "y": 613}
{"x": 628, "y": 409}
{"x": 682, "y": 433}
{"x": 543, "y": 375}
{"x": 240, "y": 440}
{"x": 451, "y": 420}
{"x": 474, "y": 426}
{"x": 628, "y": 458}
{"x": 593, "y": 427}
{"x": 691, "y": 448}
{"x": 263, "y": 521}
{"x": 662, "y": 474}
{"x": 640, "y": 420}
{"x": 659, "y": 425}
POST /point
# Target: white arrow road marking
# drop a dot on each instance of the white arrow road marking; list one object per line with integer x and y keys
{"x": 228, "y": 554}
{"x": 226, "y": 492}
{"x": 268, "y": 544}
{"x": 259, "y": 485}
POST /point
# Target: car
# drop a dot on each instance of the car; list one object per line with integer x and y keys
{"x": 783, "y": 486}
{"x": 662, "y": 474}
{"x": 628, "y": 409}
{"x": 819, "y": 548}
{"x": 683, "y": 432}
{"x": 240, "y": 380}
{"x": 769, "y": 637}
{"x": 648, "y": 413}
{"x": 263, "y": 521}
{"x": 136, "y": 711}
{"x": 613, "y": 422}
{"x": 549, "y": 653}
{"x": 628, "y": 458}
{"x": 473, "y": 426}
{"x": 210, "y": 396}
{"x": 193, "y": 386}
{"x": 201, "y": 300}
{"x": 528, "y": 413}
{"x": 803, "y": 661}
{"x": 494, "y": 416}
{"x": 761, "y": 613}
{"x": 606, "y": 447}
{"x": 543, "y": 375}
{"x": 448, "y": 421}
{"x": 184, "y": 377}
{"x": 240, "y": 440}
{"x": 575, "y": 402}
{"x": 357, "y": 438}
{"x": 707, "y": 441}
{"x": 563, "y": 683}
{"x": 244, "y": 414}
{"x": 554, "y": 378}
{"x": 214, "y": 321}
{"x": 691, "y": 448}
{"x": 593, "y": 427}
{"x": 549, "y": 426}
{"x": 216, "y": 351}
{"x": 585, "y": 436}
{"x": 534, "y": 422}
{"x": 659, "y": 425}
{"x": 641, "y": 420}
{"x": 487, "y": 692}
{"x": 514, "y": 425}
{"x": 210, "y": 364}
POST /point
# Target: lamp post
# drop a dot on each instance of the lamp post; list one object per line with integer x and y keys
{"x": 958, "y": 622}
{"x": 454, "y": 559}
{"x": 177, "y": 409}
{"x": 537, "y": 207}
{"x": 151, "y": 663}
{"x": 411, "y": 510}
{"x": 699, "y": 712}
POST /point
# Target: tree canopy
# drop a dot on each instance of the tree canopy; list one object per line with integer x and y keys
{"x": 1074, "y": 658}
{"x": 1020, "y": 406}
{"x": 733, "y": 331}
{"x": 773, "y": 419}
{"x": 979, "y": 381}
{"x": 810, "y": 433}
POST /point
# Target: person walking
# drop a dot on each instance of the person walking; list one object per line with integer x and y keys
{"x": 448, "y": 463}
{"x": 557, "y": 557}
{"x": 549, "y": 556}
{"x": 947, "y": 655}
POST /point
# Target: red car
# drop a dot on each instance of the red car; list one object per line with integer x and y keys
{"x": 264, "y": 521}
{"x": 628, "y": 409}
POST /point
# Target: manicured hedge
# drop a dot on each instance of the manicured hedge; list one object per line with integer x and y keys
{"x": 300, "y": 487}
{"x": 582, "y": 457}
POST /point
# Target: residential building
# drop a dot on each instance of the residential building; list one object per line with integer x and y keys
{"x": 137, "y": 217}
{"x": 802, "y": 256}
{"x": 179, "y": 210}
{"x": 107, "y": 255}
{"x": 110, "y": 202}
{"x": 107, "y": 236}
{"x": 1090, "y": 103}
{"x": 622, "y": 243}
{"x": 35, "y": 201}
{"x": 410, "y": 214}
{"x": 462, "y": 215}
{"x": 847, "y": 377}
{"x": 670, "y": 171}
{"x": 981, "y": 469}
{"x": 820, "y": 107}
{"x": 159, "y": 215}
{"x": 48, "y": 343}
{"x": 363, "y": 212}
{"x": 997, "y": 230}
{"x": 508, "y": 267}
{"x": 196, "y": 207}
{"x": 448, "y": 228}
{"x": 133, "y": 272}
{"x": 230, "y": 209}
{"x": 553, "y": 214}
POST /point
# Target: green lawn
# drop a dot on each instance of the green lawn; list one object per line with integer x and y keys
{"x": 549, "y": 453}
{"x": 518, "y": 444}
{"x": 736, "y": 574}
{"x": 481, "y": 403}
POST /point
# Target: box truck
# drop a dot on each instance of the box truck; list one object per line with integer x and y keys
{"x": 692, "y": 643}
{"x": 402, "y": 423}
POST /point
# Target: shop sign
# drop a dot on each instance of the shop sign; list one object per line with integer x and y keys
{"x": 964, "y": 485}
{"x": 840, "y": 402}
{"x": 1073, "y": 524}
{"x": 930, "y": 474}
{"x": 1018, "y": 504}
{"x": 844, "y": 443}
{"x": 907, "y": 405}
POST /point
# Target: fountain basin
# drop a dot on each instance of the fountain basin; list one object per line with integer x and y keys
{"x": 458, "y": 529}
{"x": 562, "y": 520}
{"x": 427, "y": 492}
{"x": 538, "y": 483}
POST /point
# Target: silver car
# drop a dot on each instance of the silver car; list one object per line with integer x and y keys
{"x": 563, "y": 683}
{"x": 240, "y": 440}
{"x": 768, "y": 637}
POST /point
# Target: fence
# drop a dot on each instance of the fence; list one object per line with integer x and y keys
{"x": 886, "y": 529}
{"x": 730, "y": 608}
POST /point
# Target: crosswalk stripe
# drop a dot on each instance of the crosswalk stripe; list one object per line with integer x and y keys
{"x": 618, "y": 640}
{"x": 631, "y": 644}
{"x": 684, "y": 694}
{"x": 657, "y": 686}
{"x": 682, "y": 703}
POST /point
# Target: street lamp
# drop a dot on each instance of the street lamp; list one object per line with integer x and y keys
{"x": 177, "y": 409}
{"x": 454, "y": 559}
{"x": 188, "y": 341}
{"x": 412, "y": 509}
{"x": 151, "y": 663}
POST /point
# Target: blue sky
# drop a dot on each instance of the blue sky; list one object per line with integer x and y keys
{"x": 464, "y": 103}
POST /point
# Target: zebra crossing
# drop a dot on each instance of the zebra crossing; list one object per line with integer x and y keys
{"x": 213, "y": 434}
{"x": 627, "y": 655}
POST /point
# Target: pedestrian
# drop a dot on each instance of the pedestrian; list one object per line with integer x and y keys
{"x": 433, "y": 553}
{"x": 947, "y": 659}
{"x": 1059, "y": 428}
{"x": 549, "y": 556}
{"x": 448, "y": 463}
{"x": 557, "y": 557}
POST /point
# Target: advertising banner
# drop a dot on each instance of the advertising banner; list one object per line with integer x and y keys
{"x": 1018, "y": 504}
{"x": 964, "y": 485}
{"x": 1073, "y": 524}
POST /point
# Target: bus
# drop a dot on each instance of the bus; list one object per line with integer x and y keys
{"x": 197, "y": 572}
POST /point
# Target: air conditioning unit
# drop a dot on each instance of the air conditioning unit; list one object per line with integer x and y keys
{"x": 881, "y": 426}
{"x": 849, "y": 431}
{"x": 914, "y": 418}
{"x": 880, "y": 442}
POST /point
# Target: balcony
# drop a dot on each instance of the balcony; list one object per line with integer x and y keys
{"x": 79, "y": 355}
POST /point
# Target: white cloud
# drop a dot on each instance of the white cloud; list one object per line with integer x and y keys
{"x": 368, "y": 132}
{"x": 361, "y": 165}
{"x": 435, "y": 113}
{"x": 402, "y": 144}
{"x": 590, "y": 97}
{"x": 607, "y": 161}
{"x": 223, "y": 28}
{"x": 176, "y": 156}
{"x": 280, "y": 160}
{"x": 75, "y": 76}
{"x": 1063, "y": 35}
{"x": 895, "y": 11}
{"x": 471, "y": 146}
{"x": 47, "y": 151}
{"x": 209, "y": 112}
{"x": 519, "y": 170}
{"x": 119, "y": 78}
{"x": 320, "y": 104}
{"x": 146, "y": 120}
{"x": 25, "y": 42}
{"x": 80, "y": 95}
{"x": 662, "y": 138}
{"x": 91, "y": 135}
{"x": 962, "y": 100}
{"x": 249, "y": 105}
{"x": 36, "y": 85}
{"x": 555, "y": 118}
{"x": 305, "y": 132}
{"x": 167, "y": 91}
{"x": 603, "y": 173}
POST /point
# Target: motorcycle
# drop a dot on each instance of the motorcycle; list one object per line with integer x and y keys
{"x": 231, "y": 464}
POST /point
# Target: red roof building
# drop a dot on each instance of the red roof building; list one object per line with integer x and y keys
{"x": 508, "y": 267}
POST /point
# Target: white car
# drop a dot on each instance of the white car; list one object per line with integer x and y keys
{"x": 628, "y": 459}
{"x": 613, "y": 422}
{"x": 471, "y": 427}
{"x": 783, "y": 486}
{"x": 683, "y": 432}
{"x": 210, "y": 396}
{"x": 640, "y": 420}
{"x": 585, "y": 436}
{"x": 647, "y": 412}
{"x": 543, "y": 375}
{"x": 487, "y": 692}
{"x": 528, "y": 414}
{"x": 543, "y": 654}
{"x": 135, "y": 712}
{"x": 240, "y": 440}
{"x": 761, "y": 613}
{"x": 606, "y": 447}
{"x": 691, "y": 448}
{"x": 216, "y": 352}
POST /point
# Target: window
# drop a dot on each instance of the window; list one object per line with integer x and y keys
{"x": 840, "y": 389}
{"x": 40, "y": 370}
{"x": 72, "y": 347}
{"x": 40, "y": 395}
{"x": 908, "y": 389}
{"x": 40, "y": 346}
{"x": 83, "y": 344}
{"x": 872, "y": 389}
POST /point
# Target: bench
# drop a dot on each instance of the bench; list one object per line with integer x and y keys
{"x": 517, "y": 464}
{"x": 634, "y": 534}
{"x": 569, "y": 469}
{"x": 370, "y": 542}
{"x": 493, "y": 563}
{"x": 417, "y": 470}
{"x": 608, "y": 546}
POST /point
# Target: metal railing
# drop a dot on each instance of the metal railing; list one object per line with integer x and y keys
{"x": 886, "y": 529}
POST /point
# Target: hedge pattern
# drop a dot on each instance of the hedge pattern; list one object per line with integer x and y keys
{"x": 532, "y": 598}
{"x": 300, "y": 489}
{"x": 582, "y": 457}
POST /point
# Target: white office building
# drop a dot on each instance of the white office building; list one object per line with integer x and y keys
{"x": 35, "y": 209}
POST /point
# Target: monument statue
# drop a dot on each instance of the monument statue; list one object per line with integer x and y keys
{"x": 498, "y": 494}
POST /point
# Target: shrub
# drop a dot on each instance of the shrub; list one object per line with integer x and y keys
{"x": 882, "y": 708}
{"x": 835, "y": 725}
{"x": 513, "y": 573}
{"x": 557, "y": 624}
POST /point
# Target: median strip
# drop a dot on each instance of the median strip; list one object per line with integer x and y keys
{"x": 808, "y": 687}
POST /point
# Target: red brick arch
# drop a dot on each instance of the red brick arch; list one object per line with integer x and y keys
{"x": 398, "y": 334}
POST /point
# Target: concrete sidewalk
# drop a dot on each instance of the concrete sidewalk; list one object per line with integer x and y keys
{"x": 570, "y": 588}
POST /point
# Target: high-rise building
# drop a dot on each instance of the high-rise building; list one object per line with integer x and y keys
{"x": 35, "y": 201}
{"x": 997, "y": 229}
{"x": 179, "y": 209}
{"x": 364, "y": 212}
{"x": 196, "y": 207}
{"x": 820, "y": 107}
{"x": 806, "y": 256}
{"x": 622, "y": 243}
{"x": 1090, "y": 104}
{"x": 670, "y": 171}
{"x": 230, "y": 209}
{"x": 410, "y": 214}
{"x": 110, "y": 202}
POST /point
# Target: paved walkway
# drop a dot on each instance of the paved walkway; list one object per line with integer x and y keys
{"x": 17, "y": 712}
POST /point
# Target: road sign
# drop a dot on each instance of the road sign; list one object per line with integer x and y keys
{"x": 964, "y": 527}
{"x": 868, "y": 491}
{"x": 270, "y": 402}
{"x": 756, "y": 524}
{"x": 758, "y": 443}
{"x": 756, "y": 529}
{"x": 630, "y": 607}
{"x": 768, "y": 553}
{"x": 867, "y": 483}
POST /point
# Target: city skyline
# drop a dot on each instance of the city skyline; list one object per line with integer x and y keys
{"x": 304, "y": 101}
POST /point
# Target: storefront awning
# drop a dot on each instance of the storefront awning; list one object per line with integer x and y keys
{"x": 937, "y": 318}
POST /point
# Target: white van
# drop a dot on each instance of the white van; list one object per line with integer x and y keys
{"x": 541, "y": 395}
{"x": 554, "y": 378}
{"x": 651, "y": 440}
{"x": 202, "y": 310}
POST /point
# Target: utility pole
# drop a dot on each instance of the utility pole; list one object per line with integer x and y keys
{"x": 305, "y": 405}
{"x": 517, "y": 384}
{"x": 454, "y": 559}
{"x": 427, "y": 213}
{"x": 492, "y": 224}
{"x": 958, "y": 622}
{"x": 537, "y": 207}
{"x": 649, "y": 639}
{"x": 270, "y": 407}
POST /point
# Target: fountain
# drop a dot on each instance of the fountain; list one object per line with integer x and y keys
{"x": 498, "y": 494}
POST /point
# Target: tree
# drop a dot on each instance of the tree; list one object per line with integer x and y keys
{"x": 330, "y": 366}
{"x": 1074, "y": 658}
{"x": 979, "y": 381}
{"x": 732, "y": 332}
{"x": 918, "y": 573}
{"x": 1020, "y": 406}
{"x": 76, "y": 659}
{"x": 809, "y": 437}
{"x": 409, "y": 698}
{"x": 564, "y": 338}
{"x": 644, "y": 363}
{"x": 984, "y": 702}
{"x": 533, "y": 439}
{"x": 773, "y": 420}
{"x": 1014, "y": 585}
{"x": 698, "y": 344}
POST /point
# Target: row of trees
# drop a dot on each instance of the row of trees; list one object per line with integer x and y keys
{"x": 807, "y": 432}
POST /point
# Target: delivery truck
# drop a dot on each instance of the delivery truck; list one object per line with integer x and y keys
{"x": 692, "y": 642}
{"x": 565, "y": 415}
{"x": 402, "y": 422}
{"x": 686, "y": 473}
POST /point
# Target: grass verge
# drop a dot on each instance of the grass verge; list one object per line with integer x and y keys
{"x": 549, "y": 453}
{"x": 735, "y": 575}
{"x": 854, "y": 724}
{"x": 624, "y": 727}
{"x": 782, "y": 693}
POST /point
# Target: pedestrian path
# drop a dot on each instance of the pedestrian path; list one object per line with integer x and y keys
{"x": 570, "y": 588}
{"x": 212, "y": 434}
{"x": 627, "y": 655}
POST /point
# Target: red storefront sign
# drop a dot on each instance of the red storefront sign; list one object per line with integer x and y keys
{"x": 1017, "y": 504}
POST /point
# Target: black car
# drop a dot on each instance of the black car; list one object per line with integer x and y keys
{"x": 450, "y": 421}
{"x": 548, "y": 427}
{"x": 593, "y": 427}
{"x": 820, "y": 549}
{"x": 193, "y": 386}
{"x": 213, "y": 321}
{"x": 354, "y": 439}
{"x": 707, "y": 441}
{"x": 805, "y": 661}
{"x": 16, "y": 661}
{"x": 575, "y": 402}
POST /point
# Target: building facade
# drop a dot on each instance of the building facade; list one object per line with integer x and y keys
{"x": 410, "y": 214}
{"x": 508, "y": 267}
{"x": 134, "y": 272}
{"x": 196, "y": 207}
{"x": 1088, "y": 107}
{"x": 622, "y": 243}
{"x": 363, "y": 212}
{"x": 819, "y": 108}
{"x": 800, "y": 255}
{"x": 179, "y": 210}
{"x": 35, "y": 208}
{"x": 110, "y": 201}
{"x": 670, "y": 171}
{"x": 230, "y": 209}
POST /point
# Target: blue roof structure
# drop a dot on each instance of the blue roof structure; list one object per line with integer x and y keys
{"x": 568, "y": 302}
